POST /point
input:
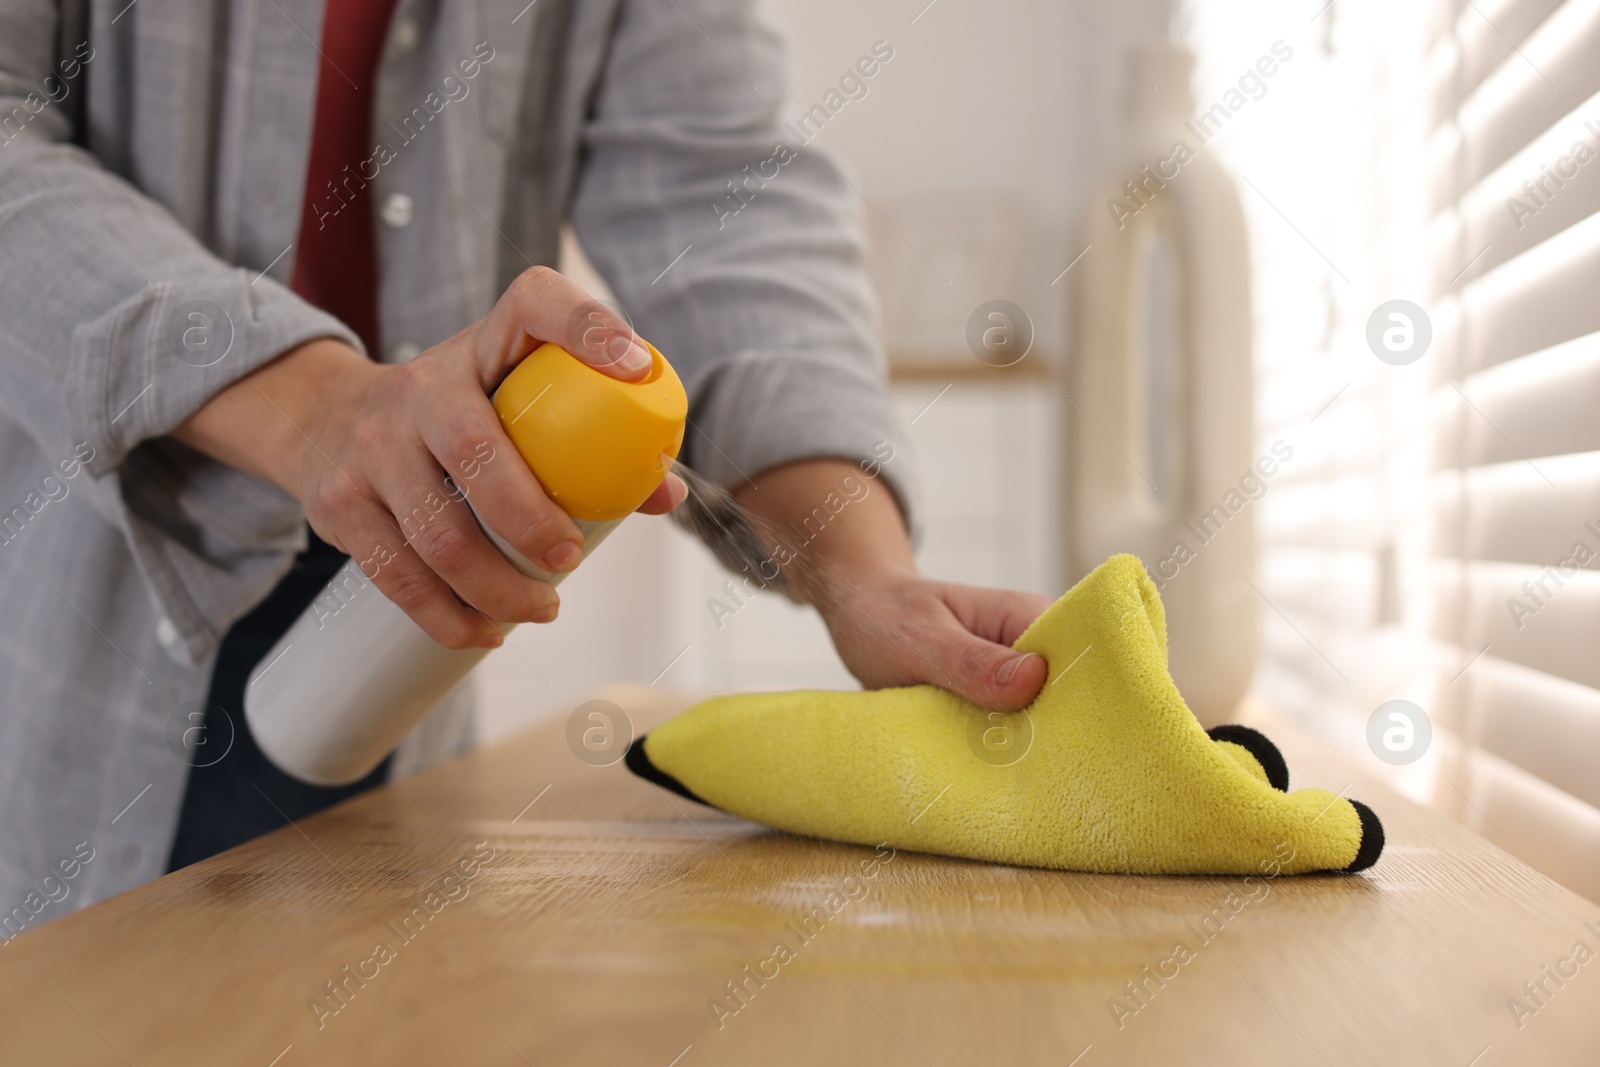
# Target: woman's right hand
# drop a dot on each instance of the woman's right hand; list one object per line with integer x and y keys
{"x": 382, "y": 457}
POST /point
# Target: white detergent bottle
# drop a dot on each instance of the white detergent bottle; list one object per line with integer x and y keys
{"x": 341, "y": 688}
{"x": 1162, "y": 412}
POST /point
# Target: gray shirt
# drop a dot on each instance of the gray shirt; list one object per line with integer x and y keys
{"x": 152, "y": 169}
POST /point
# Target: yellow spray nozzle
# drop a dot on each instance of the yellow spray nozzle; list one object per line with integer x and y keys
{"x": 595, "y": 443}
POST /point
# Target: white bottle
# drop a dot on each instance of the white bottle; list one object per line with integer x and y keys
{"x": 354, "y": 674}
{"x": 1162, "y": 414}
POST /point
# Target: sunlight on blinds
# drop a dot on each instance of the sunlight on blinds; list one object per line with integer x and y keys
{"x": 1334, "y": 166}
{"x": 1436, "y": 537}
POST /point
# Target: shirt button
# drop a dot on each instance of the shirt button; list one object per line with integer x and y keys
{"x": 166, "y": 633}
{"x": 404, "y": 36}
{"x": 398, "y": 210}
{"x": 404, "y": 352}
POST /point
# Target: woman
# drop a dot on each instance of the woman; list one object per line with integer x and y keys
{"x": 263, "y": 262}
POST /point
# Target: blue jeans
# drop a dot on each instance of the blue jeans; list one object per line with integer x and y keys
{"x": 243, "y": 795}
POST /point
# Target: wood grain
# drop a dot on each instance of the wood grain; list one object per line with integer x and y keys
{"x": 611, "y": 915}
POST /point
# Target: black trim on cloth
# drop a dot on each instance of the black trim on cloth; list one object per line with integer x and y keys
{"x": 639, "y": 763}
{"x": 1256, "y": 743}
{"x": 1371, "y": 839}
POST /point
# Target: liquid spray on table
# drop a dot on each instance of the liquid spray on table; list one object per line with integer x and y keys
{"x": 341, "y": 688}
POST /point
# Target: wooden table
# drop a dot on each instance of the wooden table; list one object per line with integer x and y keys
{"x": 611, "y": 915}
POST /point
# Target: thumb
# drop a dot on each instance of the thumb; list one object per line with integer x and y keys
{"x": 990, "y": 675}
{"x": 543, "y": 305}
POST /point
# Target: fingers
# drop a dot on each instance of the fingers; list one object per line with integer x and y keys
{"x": 544, "y": 305}
{"x": 974, "y": 646}
{"x": 400, "y": 574}
{"x": 933, "y": 643}
{"x": 466, "y": 439}
{"x": 924, "y": 632}
{"x": 442, "y": 532}
{"x": 424, "y": 439}
{"x": 413, "y": 446}
{"x": 998, "y": 615}
{"x": 990, "y": 675}
{"x": 669, "y": 494}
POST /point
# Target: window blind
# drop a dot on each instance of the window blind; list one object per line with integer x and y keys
{"x": 1517, "y": 452}
{"x": 1437, "y": 536}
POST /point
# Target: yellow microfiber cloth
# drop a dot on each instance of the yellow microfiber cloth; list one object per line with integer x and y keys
{"x": 1108, "y": 772}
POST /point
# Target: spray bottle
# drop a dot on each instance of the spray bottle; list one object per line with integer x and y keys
{"x": 342, "y": 687}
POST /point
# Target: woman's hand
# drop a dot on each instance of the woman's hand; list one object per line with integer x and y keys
{"x": 892, "y": 626}
{"x": 906, "y": 630}
{"x": 383, "y": 457}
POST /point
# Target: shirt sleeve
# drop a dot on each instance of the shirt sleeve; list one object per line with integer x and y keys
{"x": 119, "y": 324}
{"x": 733, "y": 245}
